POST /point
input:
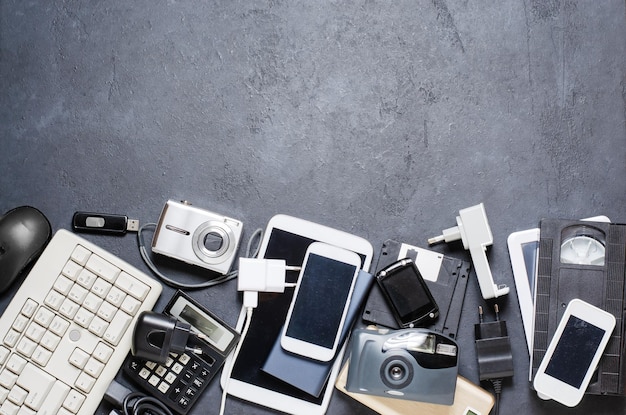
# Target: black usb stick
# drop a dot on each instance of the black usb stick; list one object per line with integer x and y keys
{"x": 103, "y": 223}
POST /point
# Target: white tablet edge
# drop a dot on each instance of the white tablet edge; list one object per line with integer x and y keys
{"x": 515, "y": 242}
{"x": 270, "y": 398}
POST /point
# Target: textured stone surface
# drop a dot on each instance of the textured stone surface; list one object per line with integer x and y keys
{"x": 379, "y": 118}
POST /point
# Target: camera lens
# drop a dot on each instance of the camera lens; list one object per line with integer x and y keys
{"x": 213, "y": 241}
{"x": 396, "y": 372}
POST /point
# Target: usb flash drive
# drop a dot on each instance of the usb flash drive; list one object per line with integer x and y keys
{"x": 103, "y": 223}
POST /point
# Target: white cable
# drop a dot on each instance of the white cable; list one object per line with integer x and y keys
{"x": 244, "y": 332}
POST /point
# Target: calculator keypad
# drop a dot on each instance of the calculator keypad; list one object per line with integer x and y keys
{"x": 177, "y": 383}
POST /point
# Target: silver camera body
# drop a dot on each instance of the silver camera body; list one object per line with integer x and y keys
{"x": 197, "y": 236}
{"x": 412, "y": 364}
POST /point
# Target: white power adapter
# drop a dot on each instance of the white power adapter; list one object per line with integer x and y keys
{"x": 473, "y": 229}
{"x": 261, "y": 275}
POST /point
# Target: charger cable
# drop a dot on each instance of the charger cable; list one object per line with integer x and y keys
{"x": 258, "y": 234}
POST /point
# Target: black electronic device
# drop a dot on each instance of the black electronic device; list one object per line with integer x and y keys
{"x": 582, "y": 260}
{"x": 24, "y": 233}
{"x": 445, "y": 276}
{"x": 407, "y": 293}
{"x": 183, "y": 377}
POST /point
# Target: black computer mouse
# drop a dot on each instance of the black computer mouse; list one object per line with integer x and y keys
{"x": 24, "y": 233}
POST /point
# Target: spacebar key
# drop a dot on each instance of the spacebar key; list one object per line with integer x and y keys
{"x": 38, "y": 384}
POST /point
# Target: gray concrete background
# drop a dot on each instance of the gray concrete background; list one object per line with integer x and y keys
{"x": 379, "y": 118}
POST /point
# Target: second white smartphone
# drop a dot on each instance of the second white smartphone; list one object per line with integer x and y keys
{"x": 320, "y": 301}
{"x": 574, "y": 353}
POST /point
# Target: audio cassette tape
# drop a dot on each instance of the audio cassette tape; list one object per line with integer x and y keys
{"x": 584, "y": 260}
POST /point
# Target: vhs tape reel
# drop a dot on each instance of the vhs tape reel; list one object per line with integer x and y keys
{"x": 585, "y": 260}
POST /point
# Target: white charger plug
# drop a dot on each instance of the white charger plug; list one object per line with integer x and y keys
{"x": 262, "y": 275}
{"x": 474, "y": 231}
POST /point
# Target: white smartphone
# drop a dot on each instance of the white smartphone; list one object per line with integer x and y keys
{"x": 573, "y": 353}
{"x": 320, "y": 301}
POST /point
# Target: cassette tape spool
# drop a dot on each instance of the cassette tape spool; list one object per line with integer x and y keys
{"x": 585, "y": 260}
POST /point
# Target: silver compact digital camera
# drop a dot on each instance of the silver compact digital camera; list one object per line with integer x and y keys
{"x": 413, "y": 364}
{"x": 197, "y": 236}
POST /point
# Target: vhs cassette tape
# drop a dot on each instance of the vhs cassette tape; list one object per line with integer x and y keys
{"x": 585, "y": 260}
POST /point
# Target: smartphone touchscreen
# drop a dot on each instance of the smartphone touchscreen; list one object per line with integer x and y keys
{"x": 317, "y": 314}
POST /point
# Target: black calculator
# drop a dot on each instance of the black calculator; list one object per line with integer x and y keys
{"x": 183, "y": 377}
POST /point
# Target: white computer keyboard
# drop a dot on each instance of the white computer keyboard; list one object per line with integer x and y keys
{"x": 66, "y": 332}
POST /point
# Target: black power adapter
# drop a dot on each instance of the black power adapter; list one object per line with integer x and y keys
{"x": 493, "y": 352}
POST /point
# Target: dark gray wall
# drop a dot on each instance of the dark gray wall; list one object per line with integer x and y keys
{"x": 379, "y": 118}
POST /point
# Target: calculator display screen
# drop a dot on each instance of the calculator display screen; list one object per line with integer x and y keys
{"x": 217, "y": 335}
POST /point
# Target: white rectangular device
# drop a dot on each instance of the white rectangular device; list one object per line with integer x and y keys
{"x": 288, "y": 238}
{"x": 320, "y": 302}
{"x": 68, "y": 329}
{"x": 573, "y": 353}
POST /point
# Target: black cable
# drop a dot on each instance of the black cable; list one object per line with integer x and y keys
{"x": 497, "y": 388}
{"x": 136, "y": 403}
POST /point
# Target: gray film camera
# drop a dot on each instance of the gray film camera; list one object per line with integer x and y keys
{"x": 412, "y": 364}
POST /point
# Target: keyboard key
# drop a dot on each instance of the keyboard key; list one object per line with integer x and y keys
{"x": 59, "y": 326}
{"x": 44, "y": 317}
{"x": 98, "y": 326}
{"x": 50, "y": 340}
{"x": 38, "y": 384}
{"x": 20, "y": 323}
{"x": 7, "y": 379}
{"x": 29, "y": 307}
{"x": 35, "y": 332}
{"x": 26, "y": 347}
{"x": 92, "y": 302}
{"x": 73, "y": 401}
{"x": 107, "y": 311}
{"x": 116, "y": 296}
{"x": 103, "y": 268}
{"x": 85, "y": 382}
{"x": 54, "y": 400}
{"x": 71, "y": 270}
{"x": 101, "y": 288}
{"x": 68, "y": 308}
{"x": 79, "y": 358}
{"x": 132, "y": 286}
{"x": 17, "y": 395}
{"x": 86, "y": 279}
{"x": 116, "y": 329}
{"x": 77, "y": 293}
{"x": 54, "y": 300}
{"x": 93, "y": 368}
{"x": 83, "y": 317}
{"x": 16, "y": 364}
{"x": 9, "y": 408}
{"x": 4, "y": 354}
{"x": 41, "y": 356}
{"x": 130, "y": 305}
{"x": 81, "y": 255}
{"x": 103, "y": 352}
{"x": 10, "y": 340}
